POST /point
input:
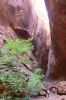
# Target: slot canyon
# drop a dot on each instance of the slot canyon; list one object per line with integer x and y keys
{"x": 44, "y": 23}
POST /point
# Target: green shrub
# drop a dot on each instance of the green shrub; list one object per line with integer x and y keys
{"x": 14, "y": 81}
{"x": 15, "y": 51}
{"x": 36, "y": 81}
{"x": 17, "y": 82}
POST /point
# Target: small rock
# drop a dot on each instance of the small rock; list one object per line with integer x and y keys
{"x": 53, "y": 89}
{"x": 42, "y": 93}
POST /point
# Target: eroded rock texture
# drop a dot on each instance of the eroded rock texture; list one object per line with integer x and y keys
{"x": 17, "y": 14}
{"x": 22, "y": 19}
{"x": 57, "y": 15}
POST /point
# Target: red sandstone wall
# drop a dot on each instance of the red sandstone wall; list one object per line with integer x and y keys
{"x": 57, "y": 15}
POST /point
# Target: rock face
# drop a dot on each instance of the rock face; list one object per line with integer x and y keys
{"x": 14, "y": 13}
{"x": 41, "y": 36}
{"x": 22, "y": 19}
{"x": 57, "y": 14}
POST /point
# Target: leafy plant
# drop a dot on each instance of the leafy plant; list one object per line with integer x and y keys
{"x": 17, "y": 82}
{"x": 14, "y": 50}
{"x": 36, "y": 81}
{"x": 14, "y": 53}
{"x": 13, "y": 81}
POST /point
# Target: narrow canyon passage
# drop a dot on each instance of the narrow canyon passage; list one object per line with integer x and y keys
{"x": 43, "y": 24}
{"x": 47, "y": 33}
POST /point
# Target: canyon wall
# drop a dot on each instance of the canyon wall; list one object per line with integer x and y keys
{"x": 57, "y": 56}
{"x": 26, "y": 19}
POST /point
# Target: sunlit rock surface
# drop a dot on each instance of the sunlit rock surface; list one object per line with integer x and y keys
{"x": 42, "y": 39}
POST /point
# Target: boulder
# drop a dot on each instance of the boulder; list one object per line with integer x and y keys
{"x": 42, "y": 93}
{"x": 61, "y": 88}
{"x": 63, "y": 97}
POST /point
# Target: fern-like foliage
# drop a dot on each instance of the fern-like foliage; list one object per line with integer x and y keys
{"x": 14, "y": 50}
{"x": 36, "y": 81}
{"x": 13, "y": 81}
{"x": 13, "y": 53}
